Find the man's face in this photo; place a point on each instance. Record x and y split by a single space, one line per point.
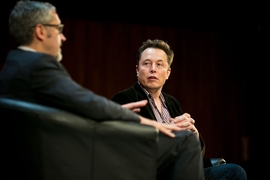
54 38
153 69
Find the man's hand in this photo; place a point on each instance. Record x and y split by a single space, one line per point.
135 106
164 128
185 122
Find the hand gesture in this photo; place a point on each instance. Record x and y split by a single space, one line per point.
135 106
164 128
185 122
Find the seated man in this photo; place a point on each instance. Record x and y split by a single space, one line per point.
33 73
154 59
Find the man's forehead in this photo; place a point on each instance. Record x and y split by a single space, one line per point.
55 17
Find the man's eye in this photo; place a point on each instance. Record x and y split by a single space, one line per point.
146 64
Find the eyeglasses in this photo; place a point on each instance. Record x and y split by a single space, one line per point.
59 27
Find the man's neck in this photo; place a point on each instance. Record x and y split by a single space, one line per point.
154 92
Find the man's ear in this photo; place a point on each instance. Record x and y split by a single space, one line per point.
40 32
137 70
168 73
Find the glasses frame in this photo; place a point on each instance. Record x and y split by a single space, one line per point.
59 27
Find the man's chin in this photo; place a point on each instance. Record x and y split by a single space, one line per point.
152 86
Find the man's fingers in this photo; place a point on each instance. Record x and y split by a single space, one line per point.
134 105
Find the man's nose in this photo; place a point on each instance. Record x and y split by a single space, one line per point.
63 37
153 68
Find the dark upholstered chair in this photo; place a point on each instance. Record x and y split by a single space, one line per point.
44 143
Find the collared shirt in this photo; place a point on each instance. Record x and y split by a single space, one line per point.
164 115
26 48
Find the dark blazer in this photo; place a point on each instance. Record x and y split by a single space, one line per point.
135 93
40 78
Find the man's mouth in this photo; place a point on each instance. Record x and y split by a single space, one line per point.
152 77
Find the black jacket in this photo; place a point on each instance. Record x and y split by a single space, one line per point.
135 93
40 78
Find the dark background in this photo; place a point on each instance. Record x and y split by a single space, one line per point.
220 73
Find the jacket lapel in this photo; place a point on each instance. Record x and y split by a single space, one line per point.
147 110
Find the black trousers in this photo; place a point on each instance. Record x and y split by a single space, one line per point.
179 157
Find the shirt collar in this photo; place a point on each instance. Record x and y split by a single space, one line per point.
161 97
26 48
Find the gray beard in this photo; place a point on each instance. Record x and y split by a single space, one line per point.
59 56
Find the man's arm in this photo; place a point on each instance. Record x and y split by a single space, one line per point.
53 86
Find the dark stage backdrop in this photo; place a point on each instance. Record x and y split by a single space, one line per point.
219 75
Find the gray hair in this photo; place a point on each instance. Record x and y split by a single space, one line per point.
25 16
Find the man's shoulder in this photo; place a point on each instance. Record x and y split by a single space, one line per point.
127 90
171 99
169 96
130 91
22 55
129 94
